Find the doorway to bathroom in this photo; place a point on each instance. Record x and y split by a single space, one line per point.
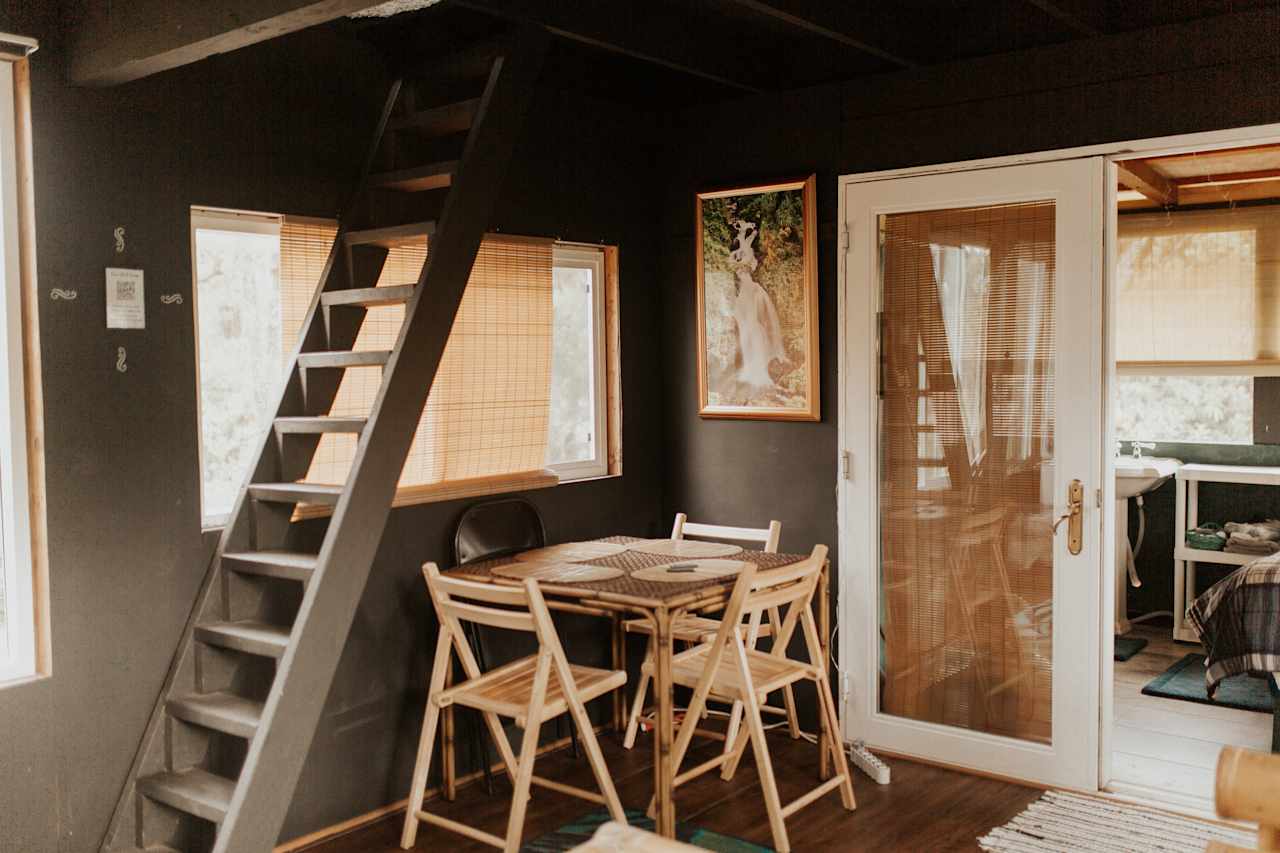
1195 299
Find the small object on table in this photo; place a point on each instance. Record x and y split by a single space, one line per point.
687 548
571 552
695 570
558 572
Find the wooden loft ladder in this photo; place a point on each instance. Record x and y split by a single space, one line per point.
227 739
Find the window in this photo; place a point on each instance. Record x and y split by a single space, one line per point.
1197 320
22 631
520 399
576 438
239 316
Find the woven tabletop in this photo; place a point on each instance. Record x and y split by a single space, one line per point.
631 561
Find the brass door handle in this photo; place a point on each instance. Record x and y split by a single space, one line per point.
1074 516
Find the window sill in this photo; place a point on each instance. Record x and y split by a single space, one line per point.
453 490
7 682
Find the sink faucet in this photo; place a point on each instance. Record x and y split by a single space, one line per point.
1139 446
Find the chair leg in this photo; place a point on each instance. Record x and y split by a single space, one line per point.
772 802
730 767
524 777
827 707
637 706
788 694
477 736
596 759
426 741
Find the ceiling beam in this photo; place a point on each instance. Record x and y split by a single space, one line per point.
1078 21
1139 175
640 32
115 42
809 16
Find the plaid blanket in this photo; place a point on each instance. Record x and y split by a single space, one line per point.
1238 620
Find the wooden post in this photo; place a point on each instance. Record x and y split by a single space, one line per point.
664 693
619 662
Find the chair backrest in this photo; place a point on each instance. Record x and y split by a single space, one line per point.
1245 790
515 608
496 529
769 536
759 590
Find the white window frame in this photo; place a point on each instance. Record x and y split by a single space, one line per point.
15 493
217 219
583 256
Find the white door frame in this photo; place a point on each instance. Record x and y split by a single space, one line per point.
846 468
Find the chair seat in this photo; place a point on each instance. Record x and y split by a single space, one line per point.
768 673
690 629
507 690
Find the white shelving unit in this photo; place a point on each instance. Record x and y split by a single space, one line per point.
1187 515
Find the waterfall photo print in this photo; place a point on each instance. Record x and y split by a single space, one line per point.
758 302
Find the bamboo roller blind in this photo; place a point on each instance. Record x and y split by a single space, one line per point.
488 409
1199 286
967 467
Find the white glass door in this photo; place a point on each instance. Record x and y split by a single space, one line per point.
972 372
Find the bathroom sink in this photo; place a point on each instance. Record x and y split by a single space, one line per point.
1138 476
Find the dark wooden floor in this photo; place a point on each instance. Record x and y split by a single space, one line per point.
924 809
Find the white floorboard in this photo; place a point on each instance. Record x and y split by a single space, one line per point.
1167 744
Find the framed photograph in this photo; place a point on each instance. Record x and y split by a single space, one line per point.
758 302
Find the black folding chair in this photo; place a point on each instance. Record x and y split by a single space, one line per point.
487 531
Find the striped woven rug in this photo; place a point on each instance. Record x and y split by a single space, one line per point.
1060 821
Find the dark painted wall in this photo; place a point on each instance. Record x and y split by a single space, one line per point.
278 127
1212 75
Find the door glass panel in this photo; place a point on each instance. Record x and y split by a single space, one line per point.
967 467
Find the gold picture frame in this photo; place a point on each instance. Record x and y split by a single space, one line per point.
757 312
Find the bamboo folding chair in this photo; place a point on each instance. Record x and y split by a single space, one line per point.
696 629
531 691
726 668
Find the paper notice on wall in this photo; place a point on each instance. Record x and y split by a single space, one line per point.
125 308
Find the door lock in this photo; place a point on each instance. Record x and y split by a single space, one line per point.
1074 516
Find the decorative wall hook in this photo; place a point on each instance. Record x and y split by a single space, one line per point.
119 235
58 293
171 298
120 357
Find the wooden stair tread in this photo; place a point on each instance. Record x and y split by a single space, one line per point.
194 791
429 176
248 635
221 711
365 297
390 236
291 565
344 358
439 121
507 689
303 493
319 423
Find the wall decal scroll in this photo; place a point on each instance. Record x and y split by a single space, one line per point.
58 293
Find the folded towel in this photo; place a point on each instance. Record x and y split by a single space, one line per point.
1268 530
1241 543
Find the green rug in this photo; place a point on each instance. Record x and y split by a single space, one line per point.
1127 647
1185 680
571 835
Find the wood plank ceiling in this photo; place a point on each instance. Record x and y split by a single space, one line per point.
690 51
